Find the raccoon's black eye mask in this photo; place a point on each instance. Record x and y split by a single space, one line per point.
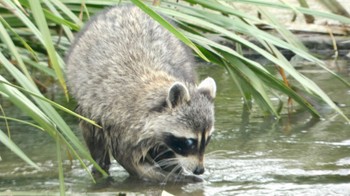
181 145
173 145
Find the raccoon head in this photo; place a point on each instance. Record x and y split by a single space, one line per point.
185 128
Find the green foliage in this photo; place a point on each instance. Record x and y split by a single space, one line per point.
36 34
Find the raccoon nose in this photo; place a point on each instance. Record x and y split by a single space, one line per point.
199 170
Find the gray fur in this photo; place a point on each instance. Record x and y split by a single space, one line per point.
136 79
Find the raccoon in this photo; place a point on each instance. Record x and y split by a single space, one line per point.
137 81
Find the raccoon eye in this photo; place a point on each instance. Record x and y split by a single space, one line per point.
190 143
186 145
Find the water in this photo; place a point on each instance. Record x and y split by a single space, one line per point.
248 155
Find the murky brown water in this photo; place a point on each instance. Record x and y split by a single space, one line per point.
248 155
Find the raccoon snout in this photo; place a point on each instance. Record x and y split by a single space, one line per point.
199 170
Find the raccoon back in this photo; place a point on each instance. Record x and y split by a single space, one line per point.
119 55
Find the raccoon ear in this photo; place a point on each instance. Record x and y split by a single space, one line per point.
178 94
208 88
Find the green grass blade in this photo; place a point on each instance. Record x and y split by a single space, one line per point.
53 15
60 166
169 27
213 27
24 43
68 12
5 37
27 106
22 122
252 83
72 150
283 31
56 105
12 146
57 18
44 69
6 122
42 24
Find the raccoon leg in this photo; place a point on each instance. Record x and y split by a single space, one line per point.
97 144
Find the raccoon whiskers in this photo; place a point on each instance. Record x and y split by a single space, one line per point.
162 153
173 174
167 163
160 158
163 169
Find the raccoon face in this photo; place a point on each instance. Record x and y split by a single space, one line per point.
177 153
188 130
189 152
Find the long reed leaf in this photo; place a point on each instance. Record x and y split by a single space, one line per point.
39 66
15 34
256 86
5 37
12 146
42 24
21 122
60 167
169 27
68 12
56 105
283 31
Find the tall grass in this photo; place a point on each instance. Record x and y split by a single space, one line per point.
36 34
